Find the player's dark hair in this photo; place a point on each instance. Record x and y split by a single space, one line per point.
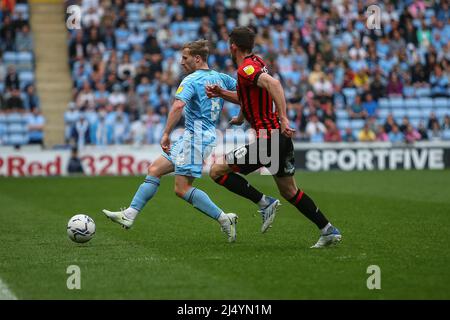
243 38
198 48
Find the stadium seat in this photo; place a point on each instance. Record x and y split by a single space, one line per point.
414 113
411 103
26 77
9 58
383 113
15 118
2 87
425 102
409 91
423 92
17 139
134 17
442 112
426 112
134 7
396 103
415 122
24 57
383 103
441 102
17 128
22 8
343 123
341 114
399 113
446 134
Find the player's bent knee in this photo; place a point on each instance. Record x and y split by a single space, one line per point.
181 190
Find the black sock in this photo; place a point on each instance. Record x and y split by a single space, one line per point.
239 185
309 209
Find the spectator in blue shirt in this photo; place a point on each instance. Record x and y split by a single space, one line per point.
396 136
36 124
370 105
439 82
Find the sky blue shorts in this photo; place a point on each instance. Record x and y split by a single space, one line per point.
188 157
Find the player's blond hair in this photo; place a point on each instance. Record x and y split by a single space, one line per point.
198 48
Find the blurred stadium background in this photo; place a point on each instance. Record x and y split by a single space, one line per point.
111 82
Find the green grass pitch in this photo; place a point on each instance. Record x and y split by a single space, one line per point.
398 220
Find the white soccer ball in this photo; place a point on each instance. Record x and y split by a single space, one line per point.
81 228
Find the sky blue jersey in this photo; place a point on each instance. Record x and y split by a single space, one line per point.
201 113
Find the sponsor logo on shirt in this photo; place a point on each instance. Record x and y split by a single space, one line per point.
249 70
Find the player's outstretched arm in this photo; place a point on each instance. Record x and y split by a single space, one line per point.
215 91
275 89
172 119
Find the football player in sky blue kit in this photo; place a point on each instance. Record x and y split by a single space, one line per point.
185 156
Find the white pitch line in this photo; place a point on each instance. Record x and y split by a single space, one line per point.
5 292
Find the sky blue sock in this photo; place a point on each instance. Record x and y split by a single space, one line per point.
145 192
202 202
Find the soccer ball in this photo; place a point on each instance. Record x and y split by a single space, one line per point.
81 228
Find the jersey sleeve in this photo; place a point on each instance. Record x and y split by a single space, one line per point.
185 91
229 82
250 72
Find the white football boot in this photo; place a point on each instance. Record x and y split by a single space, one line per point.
269 212
228 226
330 238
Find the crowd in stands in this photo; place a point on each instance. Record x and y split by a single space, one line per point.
21 121
343 80
339 76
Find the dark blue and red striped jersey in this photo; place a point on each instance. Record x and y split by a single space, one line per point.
256 103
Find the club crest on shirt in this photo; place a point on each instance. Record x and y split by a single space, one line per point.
249 70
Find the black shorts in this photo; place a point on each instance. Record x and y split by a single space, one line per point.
248 158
